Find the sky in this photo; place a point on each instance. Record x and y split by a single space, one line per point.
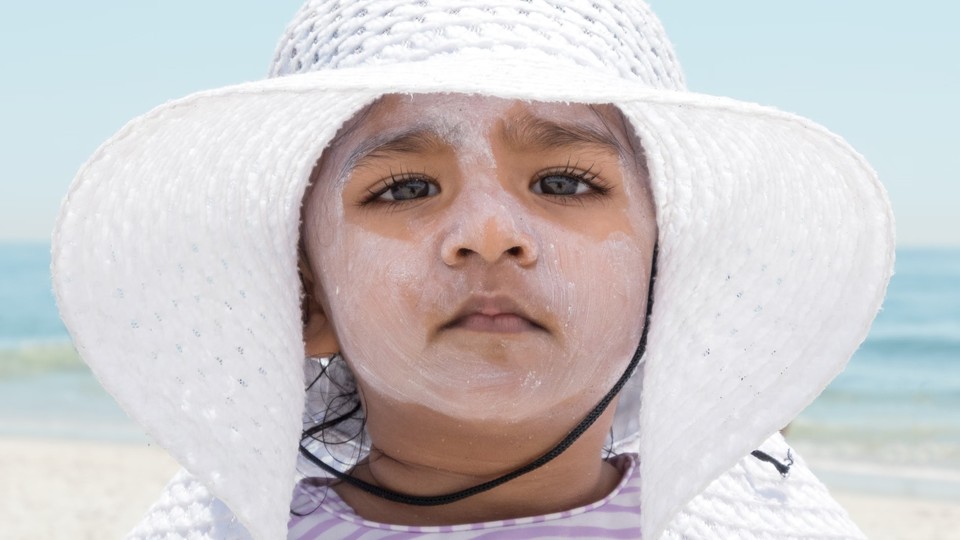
885 75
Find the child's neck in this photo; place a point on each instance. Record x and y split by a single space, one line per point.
577 477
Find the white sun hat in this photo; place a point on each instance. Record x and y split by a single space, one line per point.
175 254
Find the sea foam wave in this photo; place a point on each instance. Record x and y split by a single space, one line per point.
38 357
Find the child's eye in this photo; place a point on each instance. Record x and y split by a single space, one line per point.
406 190
556 184
398 189
567 182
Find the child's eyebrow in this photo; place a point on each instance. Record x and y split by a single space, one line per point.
538 133
410 141
528 132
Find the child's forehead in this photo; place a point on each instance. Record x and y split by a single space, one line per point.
461 108
454 119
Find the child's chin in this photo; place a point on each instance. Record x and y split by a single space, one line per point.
517 346
508 400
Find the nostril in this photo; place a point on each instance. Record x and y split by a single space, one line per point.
458 248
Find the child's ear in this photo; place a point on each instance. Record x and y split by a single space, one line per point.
319 337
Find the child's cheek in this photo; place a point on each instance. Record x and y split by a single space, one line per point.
602 288
373 308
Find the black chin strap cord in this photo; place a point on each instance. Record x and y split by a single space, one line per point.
572 436
782 467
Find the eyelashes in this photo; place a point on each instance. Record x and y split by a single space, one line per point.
401 187
565 184
570 181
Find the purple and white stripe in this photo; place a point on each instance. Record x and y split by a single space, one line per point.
615 516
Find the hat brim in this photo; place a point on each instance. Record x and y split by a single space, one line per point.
175 269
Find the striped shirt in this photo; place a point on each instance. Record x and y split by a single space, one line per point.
615 516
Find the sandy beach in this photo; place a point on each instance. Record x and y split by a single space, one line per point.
55 489
72 489
902 518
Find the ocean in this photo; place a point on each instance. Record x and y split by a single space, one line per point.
890 421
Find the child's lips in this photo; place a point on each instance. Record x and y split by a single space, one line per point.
495 314
505 323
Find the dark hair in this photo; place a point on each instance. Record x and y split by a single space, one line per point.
333 415
334 412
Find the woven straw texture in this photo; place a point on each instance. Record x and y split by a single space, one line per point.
623 39
174 256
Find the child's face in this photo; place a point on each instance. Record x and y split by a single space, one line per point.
484 258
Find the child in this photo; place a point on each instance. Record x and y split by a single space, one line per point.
541 289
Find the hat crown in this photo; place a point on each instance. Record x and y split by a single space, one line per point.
621 38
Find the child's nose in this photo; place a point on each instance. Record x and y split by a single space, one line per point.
490 232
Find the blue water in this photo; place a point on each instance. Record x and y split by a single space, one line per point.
27 310
898 402
903 384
